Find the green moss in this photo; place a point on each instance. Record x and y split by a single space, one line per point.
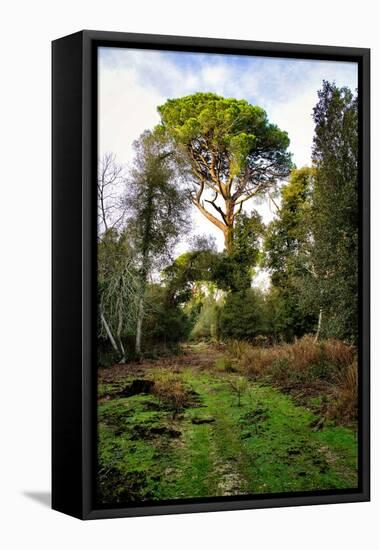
265 445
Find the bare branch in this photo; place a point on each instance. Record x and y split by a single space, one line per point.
111 211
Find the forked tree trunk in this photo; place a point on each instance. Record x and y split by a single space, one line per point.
109 332
228 216
119 349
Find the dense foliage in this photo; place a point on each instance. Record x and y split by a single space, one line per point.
309 250
232 385
335 209
232 152
288 244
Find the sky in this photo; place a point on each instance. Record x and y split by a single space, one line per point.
133 82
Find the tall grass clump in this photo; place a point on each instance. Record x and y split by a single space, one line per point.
344 406
307 367
170 391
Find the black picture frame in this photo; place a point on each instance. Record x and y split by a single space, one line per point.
74 151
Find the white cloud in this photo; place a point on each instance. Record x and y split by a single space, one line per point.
126 109
132 83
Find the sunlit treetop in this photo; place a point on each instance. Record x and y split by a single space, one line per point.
232 149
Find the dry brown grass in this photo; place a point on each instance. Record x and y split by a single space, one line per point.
252 360
338 353
345 399
303 353
257 361
300 355
170 390
307 367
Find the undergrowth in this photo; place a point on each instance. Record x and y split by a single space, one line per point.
303 368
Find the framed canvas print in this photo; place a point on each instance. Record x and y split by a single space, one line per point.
210 274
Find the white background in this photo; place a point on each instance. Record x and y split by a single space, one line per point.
26 31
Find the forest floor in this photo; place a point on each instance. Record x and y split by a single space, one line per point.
211 445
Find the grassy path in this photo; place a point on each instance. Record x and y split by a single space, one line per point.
213 447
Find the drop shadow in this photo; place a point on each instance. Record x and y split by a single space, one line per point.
42 497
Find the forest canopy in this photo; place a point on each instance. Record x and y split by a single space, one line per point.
220 155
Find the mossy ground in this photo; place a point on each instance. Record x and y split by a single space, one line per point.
268 444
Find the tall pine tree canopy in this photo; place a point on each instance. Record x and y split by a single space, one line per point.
232 150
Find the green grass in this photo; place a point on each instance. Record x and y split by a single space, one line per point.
265 445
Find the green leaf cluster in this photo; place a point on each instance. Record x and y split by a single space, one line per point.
232 127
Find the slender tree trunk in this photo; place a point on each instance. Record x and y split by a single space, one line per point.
123 358
318 326
140 313
109 333
143 283
119 330
144 268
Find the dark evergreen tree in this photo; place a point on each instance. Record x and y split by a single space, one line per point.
287 246
335 210
243 315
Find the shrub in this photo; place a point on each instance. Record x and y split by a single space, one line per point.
224 364
254 361
242 315
170 390
165 324
329 367
280 370
239 386
236 347
106 356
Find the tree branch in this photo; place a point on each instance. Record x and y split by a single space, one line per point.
209 216
217 208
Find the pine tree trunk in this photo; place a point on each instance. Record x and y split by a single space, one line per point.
228 239
228 233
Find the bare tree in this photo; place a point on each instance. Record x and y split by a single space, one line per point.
119 304
110 183
116 280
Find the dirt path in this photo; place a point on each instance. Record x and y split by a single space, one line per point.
200 356
213 447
